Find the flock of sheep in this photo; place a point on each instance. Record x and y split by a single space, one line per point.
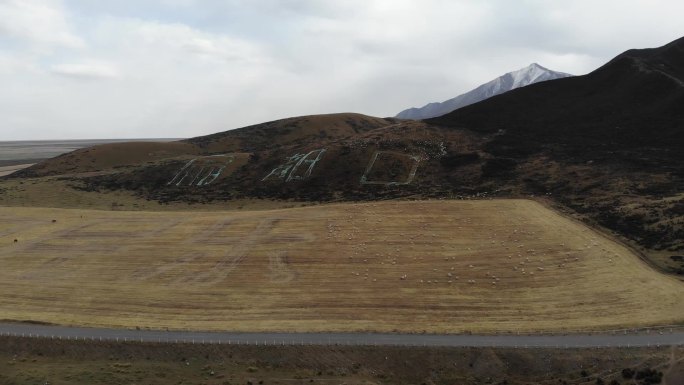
375 253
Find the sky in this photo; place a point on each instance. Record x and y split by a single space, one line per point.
89 69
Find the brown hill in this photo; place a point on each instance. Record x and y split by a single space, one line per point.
259 137
284 132
606 145
109 156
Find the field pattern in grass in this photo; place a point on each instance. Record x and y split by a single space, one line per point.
436 266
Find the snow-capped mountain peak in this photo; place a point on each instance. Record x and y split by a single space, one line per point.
531 74
528 75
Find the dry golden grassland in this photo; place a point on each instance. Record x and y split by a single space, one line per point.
55 192
435 266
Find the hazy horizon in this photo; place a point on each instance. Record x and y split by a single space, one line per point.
20 151
52 140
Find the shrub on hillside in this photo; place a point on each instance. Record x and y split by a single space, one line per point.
458 160
498 167
649 376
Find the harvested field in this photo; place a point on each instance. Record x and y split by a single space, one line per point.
436 266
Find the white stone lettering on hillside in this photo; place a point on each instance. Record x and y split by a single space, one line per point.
201 171
297 166
411 168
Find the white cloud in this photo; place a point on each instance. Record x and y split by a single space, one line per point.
170 79
40 23
11 63
87 70
182 39
189 67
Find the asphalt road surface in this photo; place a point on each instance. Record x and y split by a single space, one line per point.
665 337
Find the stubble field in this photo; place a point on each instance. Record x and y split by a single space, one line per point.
434 266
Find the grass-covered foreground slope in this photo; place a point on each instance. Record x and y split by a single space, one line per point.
438 266
31 361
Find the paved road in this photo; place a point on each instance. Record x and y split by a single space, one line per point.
654 338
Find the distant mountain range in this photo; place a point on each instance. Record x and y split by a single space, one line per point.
534 73
634 101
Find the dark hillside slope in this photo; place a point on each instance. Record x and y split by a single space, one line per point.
296 131
607 144
284 132
635 100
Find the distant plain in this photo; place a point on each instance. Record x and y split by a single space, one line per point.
31 151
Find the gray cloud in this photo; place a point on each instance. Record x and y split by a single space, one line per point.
86 71
38 23
179 68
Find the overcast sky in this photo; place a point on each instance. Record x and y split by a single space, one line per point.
181 68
